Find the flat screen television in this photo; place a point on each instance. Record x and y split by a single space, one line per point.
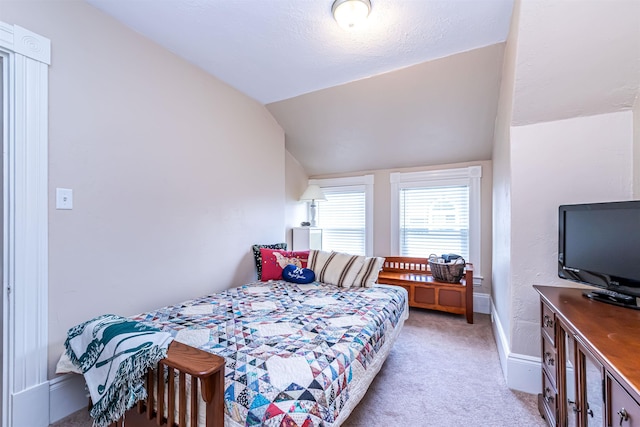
599 245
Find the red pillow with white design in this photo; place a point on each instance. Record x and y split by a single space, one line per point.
274 260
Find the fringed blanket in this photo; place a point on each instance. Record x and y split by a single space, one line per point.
114 353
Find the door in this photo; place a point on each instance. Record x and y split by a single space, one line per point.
4 297
25 58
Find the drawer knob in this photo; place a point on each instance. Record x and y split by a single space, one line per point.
547 321
624 416
574 408
548 396
548 359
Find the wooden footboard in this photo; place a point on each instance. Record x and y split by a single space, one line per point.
194 369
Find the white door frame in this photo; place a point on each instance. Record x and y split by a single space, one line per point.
26 58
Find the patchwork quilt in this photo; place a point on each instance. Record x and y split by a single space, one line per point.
293 352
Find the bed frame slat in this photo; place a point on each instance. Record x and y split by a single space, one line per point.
150 402
182 399
171 397
160 414
194 402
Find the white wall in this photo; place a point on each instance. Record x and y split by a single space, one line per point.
556 66
501 197
174 173
586 159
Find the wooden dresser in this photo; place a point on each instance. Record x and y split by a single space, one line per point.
590 360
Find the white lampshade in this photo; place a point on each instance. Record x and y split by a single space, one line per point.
313 192
349 13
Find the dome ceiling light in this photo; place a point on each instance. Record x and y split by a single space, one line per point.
350 13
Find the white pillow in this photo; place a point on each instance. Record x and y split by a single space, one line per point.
368 274
335 268
317 259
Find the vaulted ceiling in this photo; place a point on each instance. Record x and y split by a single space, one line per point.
438 112
418 84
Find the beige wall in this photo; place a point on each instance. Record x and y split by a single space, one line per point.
174 173
296 182
382 211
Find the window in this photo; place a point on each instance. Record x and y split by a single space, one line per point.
346 216
437 212
435 220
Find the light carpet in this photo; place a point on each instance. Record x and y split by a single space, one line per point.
441 372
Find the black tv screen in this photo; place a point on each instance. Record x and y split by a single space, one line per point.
599 245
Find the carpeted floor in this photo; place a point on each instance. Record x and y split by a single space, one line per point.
441 372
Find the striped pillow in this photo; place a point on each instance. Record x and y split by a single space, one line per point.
335 268
368 274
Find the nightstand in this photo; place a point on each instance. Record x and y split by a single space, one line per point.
305 238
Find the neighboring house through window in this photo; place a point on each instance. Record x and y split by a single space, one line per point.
346 217
437 212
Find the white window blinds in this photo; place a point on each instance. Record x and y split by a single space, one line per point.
342 218
434 219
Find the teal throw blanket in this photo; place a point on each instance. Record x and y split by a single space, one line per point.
114 353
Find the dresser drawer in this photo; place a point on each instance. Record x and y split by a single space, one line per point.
549 358
548 323
624 410
549 399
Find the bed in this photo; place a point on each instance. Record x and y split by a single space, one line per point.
294 355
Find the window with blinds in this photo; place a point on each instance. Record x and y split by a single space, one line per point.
434 219
342 218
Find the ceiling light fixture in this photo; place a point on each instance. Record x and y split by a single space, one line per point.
349 13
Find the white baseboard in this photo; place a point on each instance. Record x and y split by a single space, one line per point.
30 407
67 394
524 373
501 340
481 303
521 372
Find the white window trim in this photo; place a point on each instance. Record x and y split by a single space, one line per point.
470 176
367 181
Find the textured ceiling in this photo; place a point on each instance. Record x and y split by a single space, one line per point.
277 49
576 61
437 112
395 92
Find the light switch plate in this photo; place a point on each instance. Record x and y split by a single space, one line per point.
64 198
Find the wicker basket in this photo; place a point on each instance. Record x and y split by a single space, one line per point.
450 272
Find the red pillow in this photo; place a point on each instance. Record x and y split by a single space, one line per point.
274 260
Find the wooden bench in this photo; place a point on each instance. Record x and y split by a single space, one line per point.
414 275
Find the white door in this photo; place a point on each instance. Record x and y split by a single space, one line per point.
24 58
4 296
